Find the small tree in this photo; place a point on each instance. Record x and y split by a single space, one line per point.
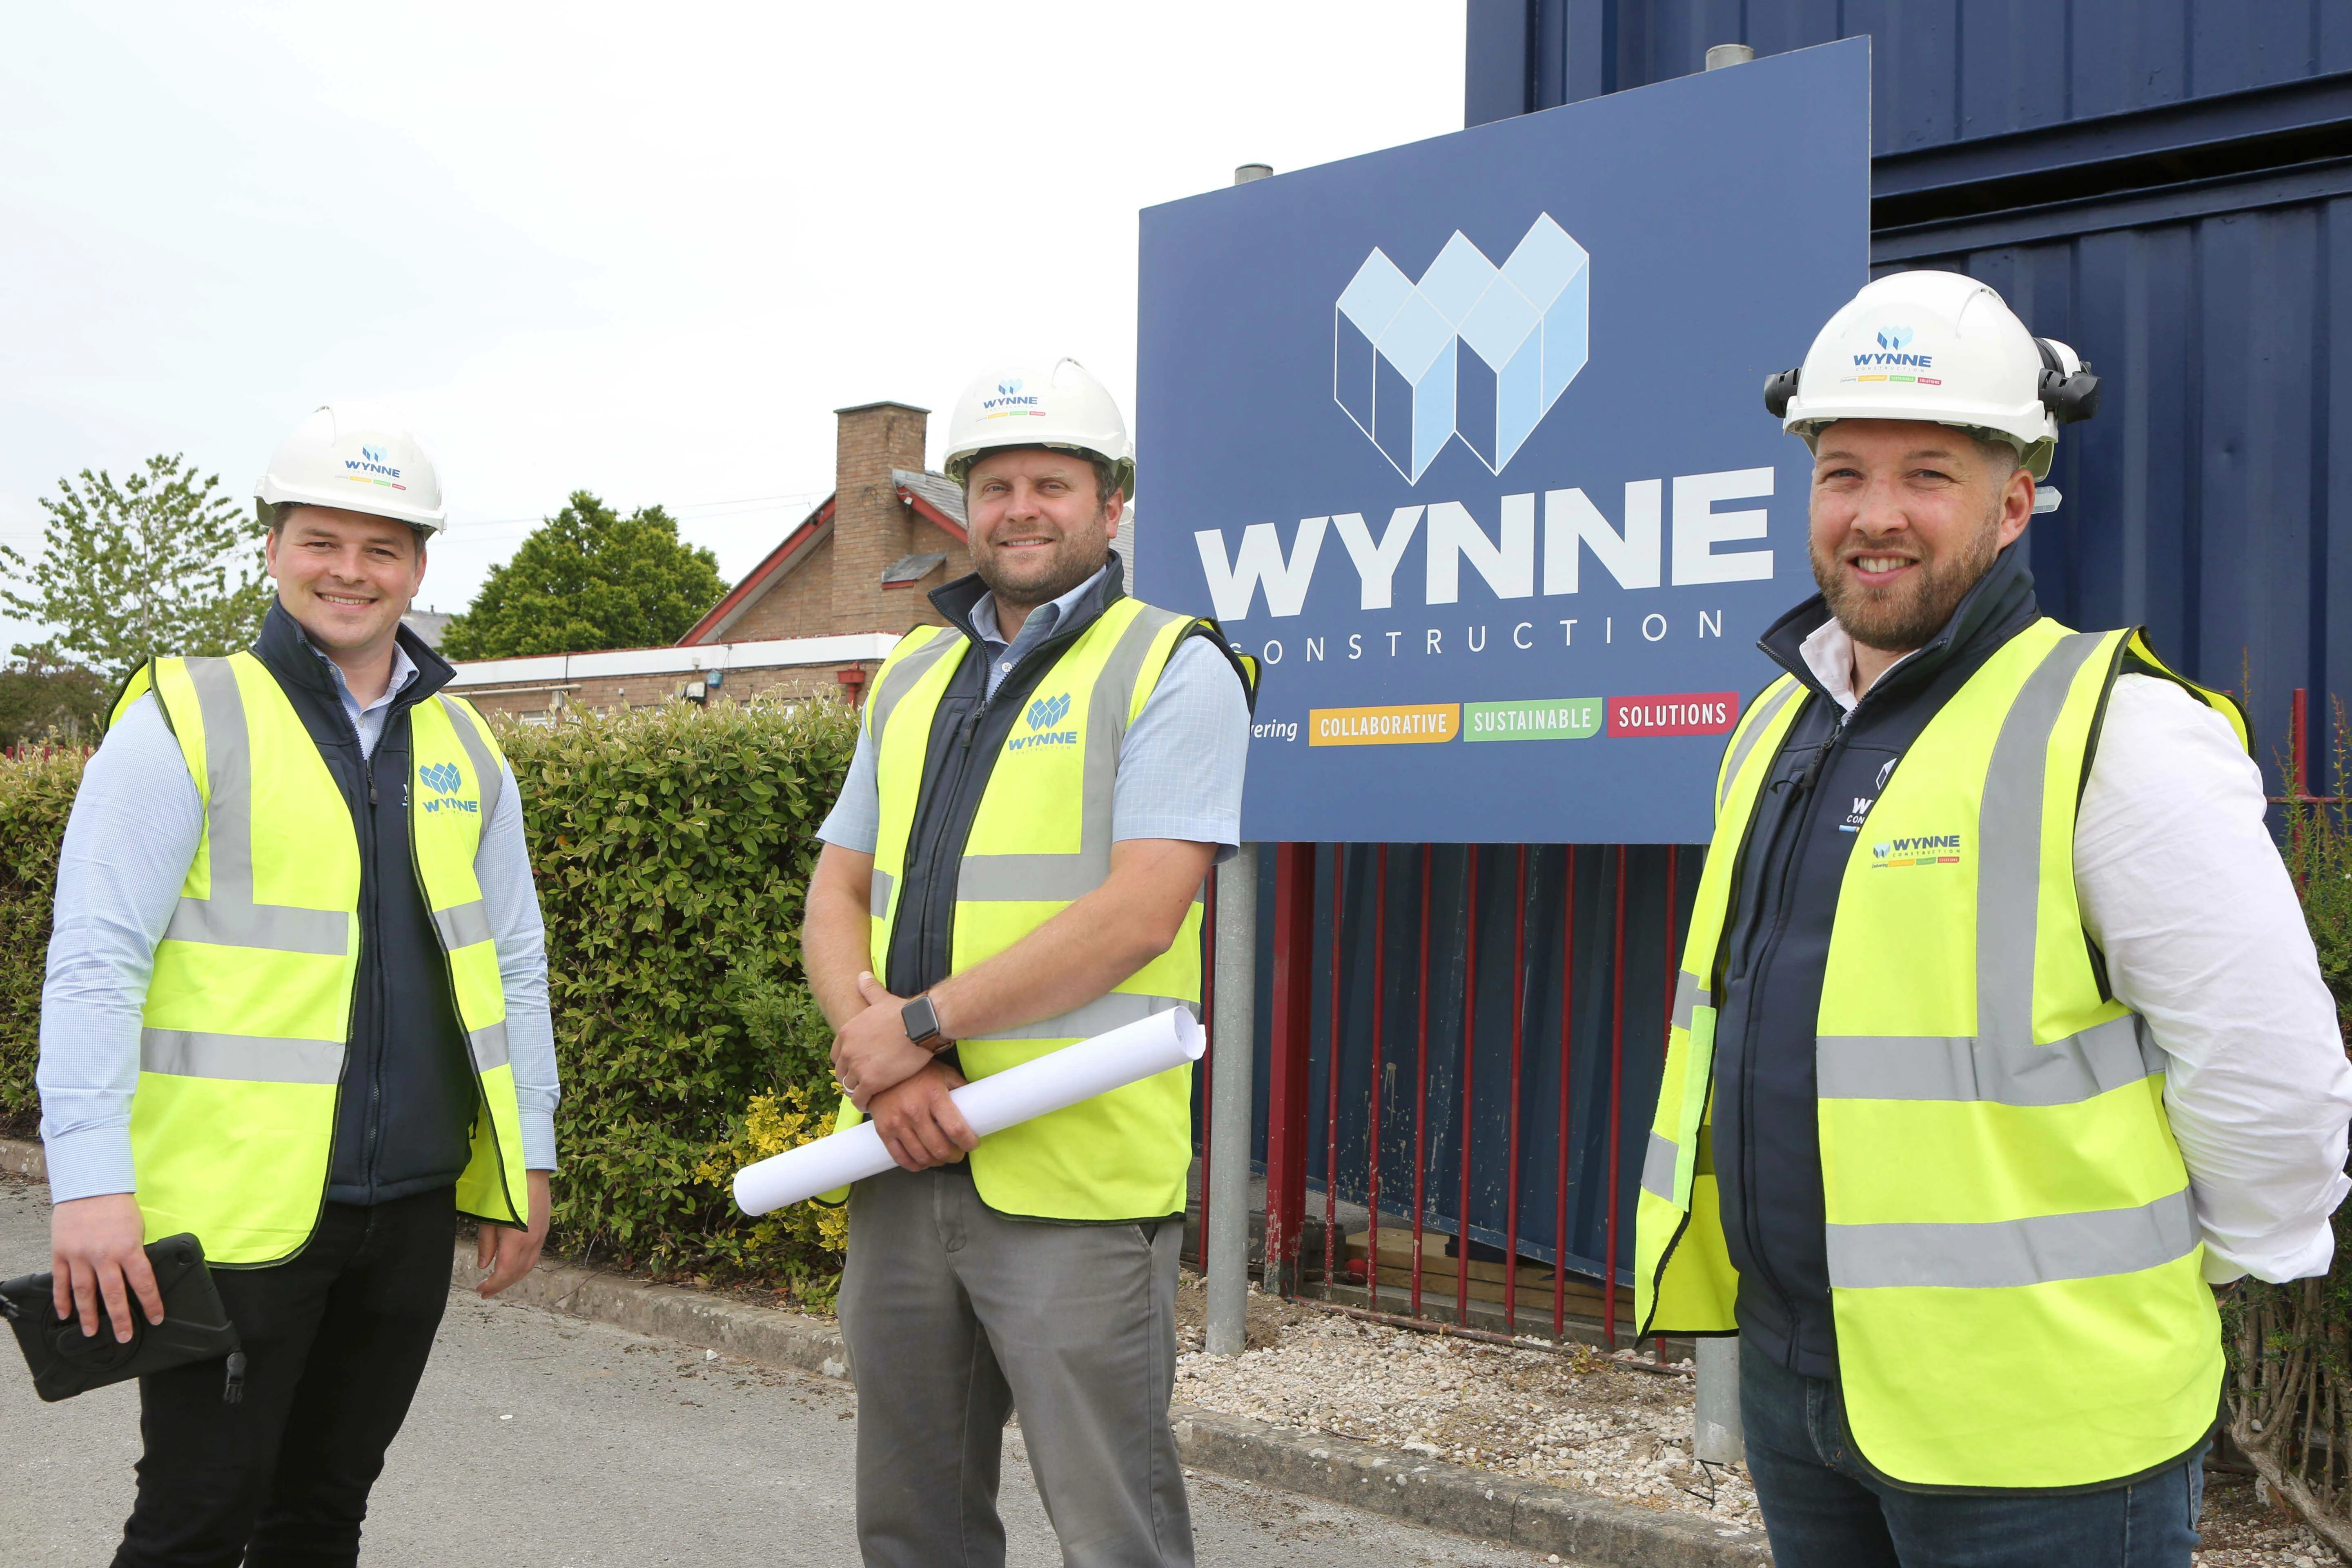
159 563
589 579
40 693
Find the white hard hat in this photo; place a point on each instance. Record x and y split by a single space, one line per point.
1942 347
359 457
1025 405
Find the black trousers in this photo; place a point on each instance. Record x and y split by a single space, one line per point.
335 1341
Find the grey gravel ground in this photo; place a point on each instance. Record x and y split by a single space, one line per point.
539 1441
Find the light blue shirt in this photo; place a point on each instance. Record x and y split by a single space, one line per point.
133 835
1180 766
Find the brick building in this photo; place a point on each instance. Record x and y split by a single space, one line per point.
817 614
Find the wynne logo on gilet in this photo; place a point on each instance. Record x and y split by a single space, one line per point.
1043 714
443 779
1927 849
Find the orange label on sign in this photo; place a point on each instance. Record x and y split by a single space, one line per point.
1416 724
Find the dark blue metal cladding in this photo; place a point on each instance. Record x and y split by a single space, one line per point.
1944 70
2203 500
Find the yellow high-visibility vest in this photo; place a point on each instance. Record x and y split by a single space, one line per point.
2014 1268
248 1019
1039 842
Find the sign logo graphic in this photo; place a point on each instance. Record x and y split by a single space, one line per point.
1048 711
1471 348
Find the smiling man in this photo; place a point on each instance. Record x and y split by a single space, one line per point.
2001 1043
297 1005
1015 864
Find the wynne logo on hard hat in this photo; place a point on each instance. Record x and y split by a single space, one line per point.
1471 348
1894 337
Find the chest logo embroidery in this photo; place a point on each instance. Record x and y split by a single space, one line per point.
444 780
1043 715
1927 849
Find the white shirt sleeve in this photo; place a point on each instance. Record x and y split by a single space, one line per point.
2182 888
511 900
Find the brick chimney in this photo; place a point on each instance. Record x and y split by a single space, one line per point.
871 527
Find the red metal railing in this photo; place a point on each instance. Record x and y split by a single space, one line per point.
1303 1044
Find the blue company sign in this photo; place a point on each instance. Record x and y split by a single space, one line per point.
1466 440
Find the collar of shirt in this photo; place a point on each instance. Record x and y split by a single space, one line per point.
1002 655
366 721
1829 653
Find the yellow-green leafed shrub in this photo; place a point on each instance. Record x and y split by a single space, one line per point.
809 1238
672 848
36 792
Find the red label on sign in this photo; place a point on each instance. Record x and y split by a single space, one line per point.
1681 713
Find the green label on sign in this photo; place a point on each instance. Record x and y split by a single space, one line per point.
1556 719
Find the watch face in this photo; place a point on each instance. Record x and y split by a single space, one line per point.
922 1022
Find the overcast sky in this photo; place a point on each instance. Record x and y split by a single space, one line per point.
642 250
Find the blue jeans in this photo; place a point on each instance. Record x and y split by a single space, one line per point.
1824 1509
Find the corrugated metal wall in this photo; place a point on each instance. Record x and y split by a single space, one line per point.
2162 183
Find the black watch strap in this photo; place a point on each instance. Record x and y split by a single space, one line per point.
922 1022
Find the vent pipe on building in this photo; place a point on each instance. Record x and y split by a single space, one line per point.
1243 174
1723 55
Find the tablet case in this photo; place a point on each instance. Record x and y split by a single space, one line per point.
66 1361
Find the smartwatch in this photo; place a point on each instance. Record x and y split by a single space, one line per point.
922 1023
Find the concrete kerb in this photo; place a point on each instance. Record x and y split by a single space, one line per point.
1581 1527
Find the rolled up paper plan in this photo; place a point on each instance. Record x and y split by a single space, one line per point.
1055 1081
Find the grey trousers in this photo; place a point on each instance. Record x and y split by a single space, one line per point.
954 1317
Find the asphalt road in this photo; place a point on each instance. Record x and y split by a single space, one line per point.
539 1441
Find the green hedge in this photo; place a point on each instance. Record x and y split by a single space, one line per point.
672 848
36 791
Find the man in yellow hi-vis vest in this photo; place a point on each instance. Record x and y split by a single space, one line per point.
297 1005
1015 863
2001 1043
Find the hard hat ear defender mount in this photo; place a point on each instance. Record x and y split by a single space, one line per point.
1778 388
2069 397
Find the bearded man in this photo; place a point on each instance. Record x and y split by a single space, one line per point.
1015 864
2001 1044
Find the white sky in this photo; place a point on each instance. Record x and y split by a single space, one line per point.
641 250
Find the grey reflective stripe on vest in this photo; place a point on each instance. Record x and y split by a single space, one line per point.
477 751
1098 1017
244 1058
230 918
1658 1167
279 927
229 778
2082 1067
2005 1253
1689 996
877 894
1758 723
1063 878
2009 844
899 678
462 925
489 1046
